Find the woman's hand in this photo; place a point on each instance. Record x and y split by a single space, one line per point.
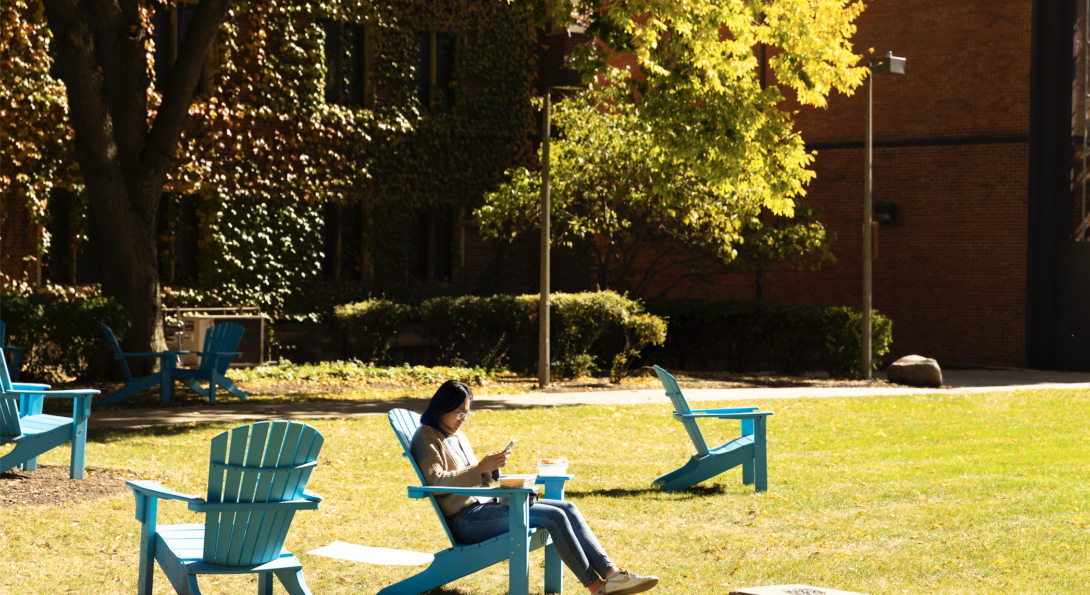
493 461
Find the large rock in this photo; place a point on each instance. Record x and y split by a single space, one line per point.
915 370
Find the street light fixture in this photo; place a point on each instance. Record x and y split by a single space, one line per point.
889 64
558 78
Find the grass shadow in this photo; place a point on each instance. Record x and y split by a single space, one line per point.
653 493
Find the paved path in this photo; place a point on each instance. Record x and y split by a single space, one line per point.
957 381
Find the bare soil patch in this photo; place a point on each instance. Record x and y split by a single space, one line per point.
50 485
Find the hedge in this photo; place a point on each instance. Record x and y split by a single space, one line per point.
745 335
370 326
474 329
61 335
593 330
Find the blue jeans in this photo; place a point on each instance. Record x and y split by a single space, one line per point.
574 541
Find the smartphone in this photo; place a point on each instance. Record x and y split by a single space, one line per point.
509 446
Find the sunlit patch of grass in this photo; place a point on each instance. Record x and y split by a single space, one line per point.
943 494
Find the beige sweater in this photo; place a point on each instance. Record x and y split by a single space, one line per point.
441 466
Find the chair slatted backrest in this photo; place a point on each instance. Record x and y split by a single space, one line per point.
681 406
10 426
3 332
221 338
405 424
263 462
112 340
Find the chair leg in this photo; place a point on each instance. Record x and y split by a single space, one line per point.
229 384
760 455
554 572
30 464
265 583
747 473
136 386
293 581
168 386
194 385
147 548
81 410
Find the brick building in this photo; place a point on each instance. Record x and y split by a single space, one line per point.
975 146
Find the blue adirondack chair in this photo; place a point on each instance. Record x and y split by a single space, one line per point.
463 560
749 451
16 353
257 478
168 360
23 423
219 341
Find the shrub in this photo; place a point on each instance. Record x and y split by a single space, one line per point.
370 325
477 329
842 348
794 335
61 335
602 326
731 333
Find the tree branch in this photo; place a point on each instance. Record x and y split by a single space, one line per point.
182 86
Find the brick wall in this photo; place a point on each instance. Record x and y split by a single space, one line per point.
18 239
951 151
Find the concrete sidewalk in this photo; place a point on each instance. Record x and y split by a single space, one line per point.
957 381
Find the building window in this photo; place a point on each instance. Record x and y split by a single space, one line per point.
73 257
171 23
345 237
348 50
434 241
435 79
179 240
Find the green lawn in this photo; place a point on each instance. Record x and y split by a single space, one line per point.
881 495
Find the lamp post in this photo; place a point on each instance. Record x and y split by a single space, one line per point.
559 78
887 65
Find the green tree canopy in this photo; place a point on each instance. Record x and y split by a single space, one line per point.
709 82
636 210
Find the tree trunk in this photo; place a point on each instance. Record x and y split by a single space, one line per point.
124 158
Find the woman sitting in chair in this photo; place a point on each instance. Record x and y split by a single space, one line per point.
445 458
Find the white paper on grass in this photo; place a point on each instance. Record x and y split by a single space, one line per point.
372 555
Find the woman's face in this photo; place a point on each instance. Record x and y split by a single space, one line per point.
455 419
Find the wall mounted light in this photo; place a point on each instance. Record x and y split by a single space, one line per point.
885 213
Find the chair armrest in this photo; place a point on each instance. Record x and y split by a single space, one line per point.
154 489
309 495
153 354
13 348
726 410
64 394
219 353
423 491
21 386
541 479
753 415
301 504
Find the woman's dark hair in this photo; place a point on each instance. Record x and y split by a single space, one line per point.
449 397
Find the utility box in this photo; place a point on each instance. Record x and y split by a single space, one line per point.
195 326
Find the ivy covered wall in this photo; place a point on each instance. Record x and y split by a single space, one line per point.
318 126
